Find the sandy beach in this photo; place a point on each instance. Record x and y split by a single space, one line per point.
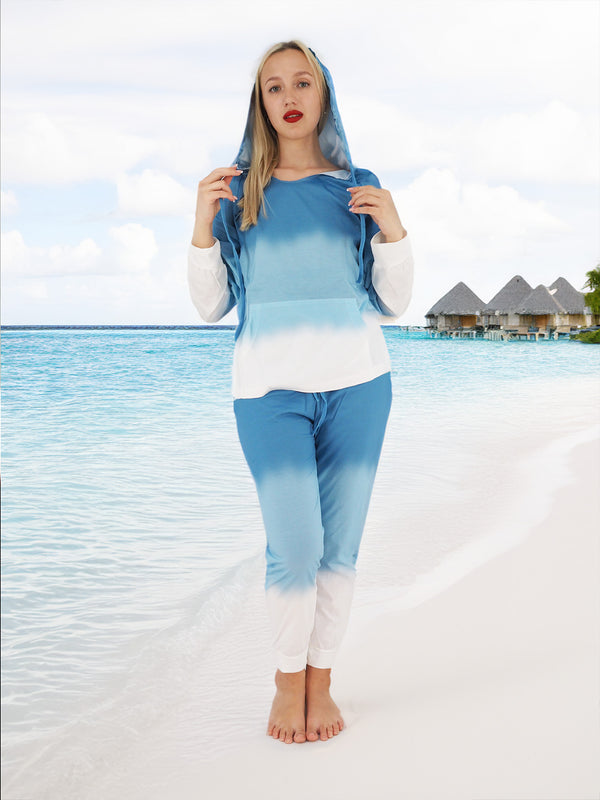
487 691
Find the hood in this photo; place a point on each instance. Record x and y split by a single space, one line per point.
332 138
334 147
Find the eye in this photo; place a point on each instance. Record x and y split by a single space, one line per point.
274 88
303 84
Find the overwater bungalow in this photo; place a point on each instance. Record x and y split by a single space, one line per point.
539 313
456 311
516 311
500 311
577 314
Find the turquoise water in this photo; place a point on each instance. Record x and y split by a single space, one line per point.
128 512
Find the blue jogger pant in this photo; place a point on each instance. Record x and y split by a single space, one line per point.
313 457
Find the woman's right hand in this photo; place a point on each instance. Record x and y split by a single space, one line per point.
210 190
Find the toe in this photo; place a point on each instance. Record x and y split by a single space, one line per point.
288 737
323 734
336 728
329 731
300 736
312 736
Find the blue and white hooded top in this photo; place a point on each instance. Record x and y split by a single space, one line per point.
310 279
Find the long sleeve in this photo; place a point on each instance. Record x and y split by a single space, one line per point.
392 273
208 282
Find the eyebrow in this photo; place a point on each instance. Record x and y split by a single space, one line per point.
295 75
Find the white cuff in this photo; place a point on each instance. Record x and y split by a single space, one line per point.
206 257
390 252
321 659
392 274
207 279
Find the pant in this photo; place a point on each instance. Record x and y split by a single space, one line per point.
313 458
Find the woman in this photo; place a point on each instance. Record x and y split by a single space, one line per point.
312 250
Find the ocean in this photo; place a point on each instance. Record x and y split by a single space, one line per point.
132 543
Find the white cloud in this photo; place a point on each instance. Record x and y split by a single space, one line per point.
76 138
135 246
155 296
384 137
18 259
518 44
152 193
468 221
46 148
9 202
551 144
132 250
554 143
35 289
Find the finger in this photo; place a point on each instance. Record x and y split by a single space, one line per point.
373 195
224 195
217 186
222 172
366 204
362 186
218 194
219 173
364 210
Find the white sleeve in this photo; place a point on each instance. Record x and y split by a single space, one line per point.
392 274
207 278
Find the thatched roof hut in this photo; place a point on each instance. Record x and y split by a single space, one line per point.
569 298
509 297
539 302
460 301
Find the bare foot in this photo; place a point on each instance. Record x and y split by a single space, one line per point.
286 721
323 718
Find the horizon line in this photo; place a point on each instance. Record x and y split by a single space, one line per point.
143 327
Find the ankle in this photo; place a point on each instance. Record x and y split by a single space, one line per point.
319 679
290 681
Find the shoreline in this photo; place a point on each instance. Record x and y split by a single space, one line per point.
195 704
487 690
530 506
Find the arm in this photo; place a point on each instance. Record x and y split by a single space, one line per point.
208 283
392 273
207 273
388 258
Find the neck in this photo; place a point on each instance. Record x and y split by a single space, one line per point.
301 154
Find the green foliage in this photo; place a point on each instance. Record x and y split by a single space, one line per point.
592 298
590 337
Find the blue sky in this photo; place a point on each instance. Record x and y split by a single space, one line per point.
481 117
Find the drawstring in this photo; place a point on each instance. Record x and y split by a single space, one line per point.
321 411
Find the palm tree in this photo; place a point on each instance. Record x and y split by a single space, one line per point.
592 298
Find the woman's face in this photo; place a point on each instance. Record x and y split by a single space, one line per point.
291 94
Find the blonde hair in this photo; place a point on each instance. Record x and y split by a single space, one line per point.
265 145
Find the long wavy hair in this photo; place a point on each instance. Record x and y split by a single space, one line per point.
265 145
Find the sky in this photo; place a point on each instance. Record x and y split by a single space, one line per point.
480 116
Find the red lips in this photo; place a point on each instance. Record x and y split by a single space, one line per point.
293 115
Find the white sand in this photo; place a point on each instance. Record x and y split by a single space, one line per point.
487 691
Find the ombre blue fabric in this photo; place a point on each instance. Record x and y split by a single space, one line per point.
302 209
313 458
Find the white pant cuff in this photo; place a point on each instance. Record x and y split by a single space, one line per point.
290 663
321 659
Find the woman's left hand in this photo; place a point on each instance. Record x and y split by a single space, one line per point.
380 205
